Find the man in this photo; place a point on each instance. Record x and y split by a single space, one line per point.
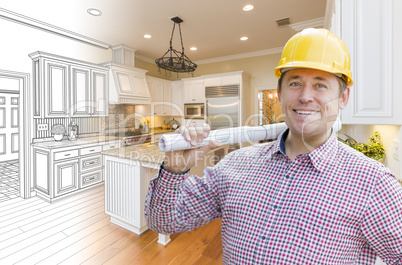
303 199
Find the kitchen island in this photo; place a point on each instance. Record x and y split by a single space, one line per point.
128 171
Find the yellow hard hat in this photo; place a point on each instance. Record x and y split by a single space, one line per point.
316 49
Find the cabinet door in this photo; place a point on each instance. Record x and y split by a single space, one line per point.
80 91
194 92
199 91
167 98
368 30
66 177
56 89
156 89
177 100
100 89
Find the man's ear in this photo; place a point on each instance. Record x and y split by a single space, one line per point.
344 98
279 94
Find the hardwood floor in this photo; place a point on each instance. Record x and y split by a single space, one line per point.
77 231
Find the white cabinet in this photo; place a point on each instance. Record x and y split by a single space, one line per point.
126 185
371 30
177 99
100 93
194 90
161 96
89 92
80 91
56 88
222 79
65 87
66 177
63 171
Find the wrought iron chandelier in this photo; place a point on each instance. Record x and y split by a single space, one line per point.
173 60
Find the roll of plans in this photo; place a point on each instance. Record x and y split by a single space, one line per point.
176 141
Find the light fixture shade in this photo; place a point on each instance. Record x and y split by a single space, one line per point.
174 60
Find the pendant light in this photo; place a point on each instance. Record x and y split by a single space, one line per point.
173 60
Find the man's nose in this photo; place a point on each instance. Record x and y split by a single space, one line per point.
306 94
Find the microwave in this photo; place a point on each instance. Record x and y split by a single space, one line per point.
194 111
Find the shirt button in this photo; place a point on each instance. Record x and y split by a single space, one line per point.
275 206
263 237
287 177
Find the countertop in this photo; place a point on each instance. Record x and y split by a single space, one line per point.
99 139
102 139
148 153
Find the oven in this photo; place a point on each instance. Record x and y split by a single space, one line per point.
132 137
194 111
134 140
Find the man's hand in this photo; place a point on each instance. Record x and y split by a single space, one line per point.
181 161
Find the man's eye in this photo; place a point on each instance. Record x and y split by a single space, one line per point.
294 84
321 86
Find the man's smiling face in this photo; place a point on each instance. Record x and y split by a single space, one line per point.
310 101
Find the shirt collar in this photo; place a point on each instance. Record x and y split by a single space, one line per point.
318 157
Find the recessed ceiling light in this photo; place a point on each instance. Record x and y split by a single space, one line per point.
193 48
244 38
248 7
147 36
94 12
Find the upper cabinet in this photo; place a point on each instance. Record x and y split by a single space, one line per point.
65 87
372 30
55 88
100 90
177 99
194 90
161 96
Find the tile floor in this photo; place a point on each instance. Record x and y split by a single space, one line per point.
9 180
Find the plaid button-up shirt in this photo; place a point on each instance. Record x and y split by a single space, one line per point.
331 206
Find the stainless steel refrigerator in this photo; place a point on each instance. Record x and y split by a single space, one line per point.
222 108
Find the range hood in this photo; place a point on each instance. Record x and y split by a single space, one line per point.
127 84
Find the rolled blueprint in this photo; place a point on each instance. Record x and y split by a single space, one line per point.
176 141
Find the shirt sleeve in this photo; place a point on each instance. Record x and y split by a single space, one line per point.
178 202
382 223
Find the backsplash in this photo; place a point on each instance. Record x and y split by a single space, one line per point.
121 116
85 125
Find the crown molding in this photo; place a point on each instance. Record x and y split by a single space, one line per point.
223 58
144 58
318 22
329 10
27 21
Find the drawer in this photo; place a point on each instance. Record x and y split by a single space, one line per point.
65 154
90 162
111 145
91 178
91 150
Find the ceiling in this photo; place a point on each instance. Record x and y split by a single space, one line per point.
213 26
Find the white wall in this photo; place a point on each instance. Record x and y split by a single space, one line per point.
17 41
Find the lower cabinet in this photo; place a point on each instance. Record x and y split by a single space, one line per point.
65 171
66 177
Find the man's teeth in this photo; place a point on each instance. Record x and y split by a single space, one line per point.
305 112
